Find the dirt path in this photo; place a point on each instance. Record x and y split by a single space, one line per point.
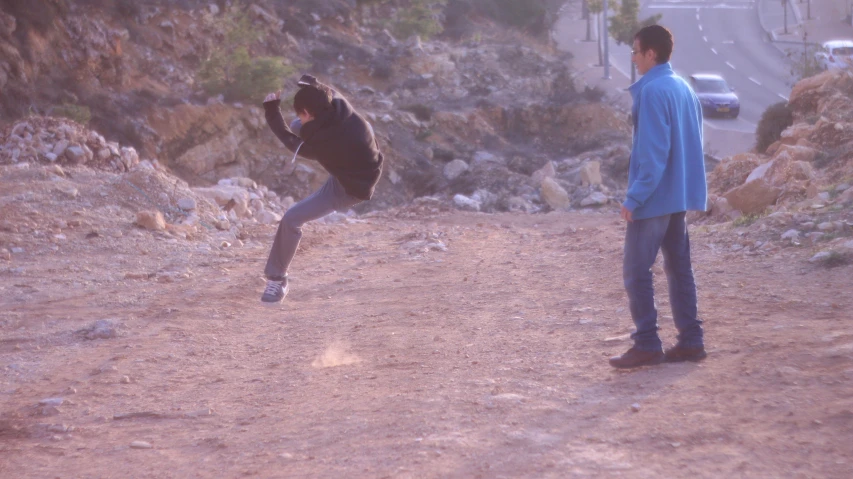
393 358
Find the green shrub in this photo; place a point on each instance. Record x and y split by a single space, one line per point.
79 113
422 112
423 135
835 259
233 72
417 19
773 122
519 13
747 220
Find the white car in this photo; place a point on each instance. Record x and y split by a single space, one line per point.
835 54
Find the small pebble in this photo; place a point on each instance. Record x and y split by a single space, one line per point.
635 407
140 445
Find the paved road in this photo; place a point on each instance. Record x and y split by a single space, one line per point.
725 37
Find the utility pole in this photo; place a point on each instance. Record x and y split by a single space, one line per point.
606 35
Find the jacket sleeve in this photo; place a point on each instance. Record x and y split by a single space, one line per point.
279 127
651 152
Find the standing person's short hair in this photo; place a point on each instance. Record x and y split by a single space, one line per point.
657 38
314 99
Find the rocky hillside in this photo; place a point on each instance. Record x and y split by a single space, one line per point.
473 111
799 191
475 116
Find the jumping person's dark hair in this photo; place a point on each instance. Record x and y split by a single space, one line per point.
313 99
657 38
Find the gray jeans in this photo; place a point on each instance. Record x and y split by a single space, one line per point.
330 197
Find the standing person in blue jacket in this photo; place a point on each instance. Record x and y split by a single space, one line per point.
331 132
666 178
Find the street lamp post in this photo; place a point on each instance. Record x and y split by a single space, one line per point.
606 35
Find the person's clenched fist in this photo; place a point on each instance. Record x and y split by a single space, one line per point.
273 96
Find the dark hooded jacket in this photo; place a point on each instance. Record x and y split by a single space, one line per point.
340 140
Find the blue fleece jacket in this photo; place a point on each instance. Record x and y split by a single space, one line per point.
667 170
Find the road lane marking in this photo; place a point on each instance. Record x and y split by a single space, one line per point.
697 14
721 6
705 38
731 125
731 66
782 96
700 27
715 51
753 80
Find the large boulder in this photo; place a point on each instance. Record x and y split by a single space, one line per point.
753 197
733 171
555 195
590 173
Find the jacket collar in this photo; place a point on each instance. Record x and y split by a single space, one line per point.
657 71
339 111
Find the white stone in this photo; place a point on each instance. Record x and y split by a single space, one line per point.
465 203
222 194
140 445
394 177
554 195
485 156
822 256
187 204
152 220
129 157
591 173
244 182
455 168
75 154
597 198
547 171
268 217
59 147
791 235
845 197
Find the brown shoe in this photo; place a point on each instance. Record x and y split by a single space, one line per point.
635 358
677 354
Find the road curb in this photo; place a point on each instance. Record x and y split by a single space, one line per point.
772 34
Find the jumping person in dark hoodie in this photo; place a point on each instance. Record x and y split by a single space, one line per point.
329 131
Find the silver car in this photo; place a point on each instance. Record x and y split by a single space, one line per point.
835 54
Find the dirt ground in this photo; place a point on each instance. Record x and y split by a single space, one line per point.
393 358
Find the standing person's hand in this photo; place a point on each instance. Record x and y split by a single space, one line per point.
273 96
626 214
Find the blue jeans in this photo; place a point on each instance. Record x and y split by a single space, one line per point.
642 241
